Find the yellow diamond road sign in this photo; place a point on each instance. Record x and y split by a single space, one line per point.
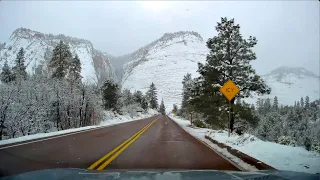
229 90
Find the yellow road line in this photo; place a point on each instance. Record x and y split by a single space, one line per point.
94 165
122 149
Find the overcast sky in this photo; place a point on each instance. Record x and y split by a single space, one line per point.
287 32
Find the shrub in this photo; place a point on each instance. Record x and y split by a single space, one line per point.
316 147
307 143
199 124
287 140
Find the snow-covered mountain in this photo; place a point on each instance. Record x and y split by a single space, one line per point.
95 64
164 62
289 84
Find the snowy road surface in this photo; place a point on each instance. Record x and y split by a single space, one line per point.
151 143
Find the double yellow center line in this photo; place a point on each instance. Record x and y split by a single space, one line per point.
104 161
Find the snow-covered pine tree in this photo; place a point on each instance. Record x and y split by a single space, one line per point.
307 103
110 94
6 75
19 70
137 97
186 93
74 75
162 108
229 59
275 105
127 97
144 103
60 61
302 102
152 96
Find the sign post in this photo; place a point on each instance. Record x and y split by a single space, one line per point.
229 90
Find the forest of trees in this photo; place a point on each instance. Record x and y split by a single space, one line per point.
229 59
54 97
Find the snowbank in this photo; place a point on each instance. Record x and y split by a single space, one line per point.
199 133
111 118
276 155
279 156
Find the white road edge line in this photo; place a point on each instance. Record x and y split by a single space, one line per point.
63 135
221 155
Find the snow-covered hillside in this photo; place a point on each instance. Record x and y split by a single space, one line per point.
164 62
289 84
95 64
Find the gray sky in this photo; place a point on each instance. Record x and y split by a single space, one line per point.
287 32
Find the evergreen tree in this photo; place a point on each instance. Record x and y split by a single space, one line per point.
152 96
110 94
298 104
19 70
6 75
229 59
60 61
74 75
186 91
127 97
144 104
275 104
162 108
307 103
302 102
138 97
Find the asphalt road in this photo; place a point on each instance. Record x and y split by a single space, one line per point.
152 143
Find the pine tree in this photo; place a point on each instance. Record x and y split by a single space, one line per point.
6 75
74 75
152 96
302 102
186 93
307 103
275 104
138 96
60 61
144 104
162 108
19 70
110 94
127 96
229 59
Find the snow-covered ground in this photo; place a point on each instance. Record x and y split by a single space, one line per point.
111 118
276 155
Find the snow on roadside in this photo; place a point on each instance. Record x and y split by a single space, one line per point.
279 156
276 155
199 133
111 118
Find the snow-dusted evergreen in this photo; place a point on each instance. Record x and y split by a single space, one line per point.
289 125
152 96
162 108
95 64
229 59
